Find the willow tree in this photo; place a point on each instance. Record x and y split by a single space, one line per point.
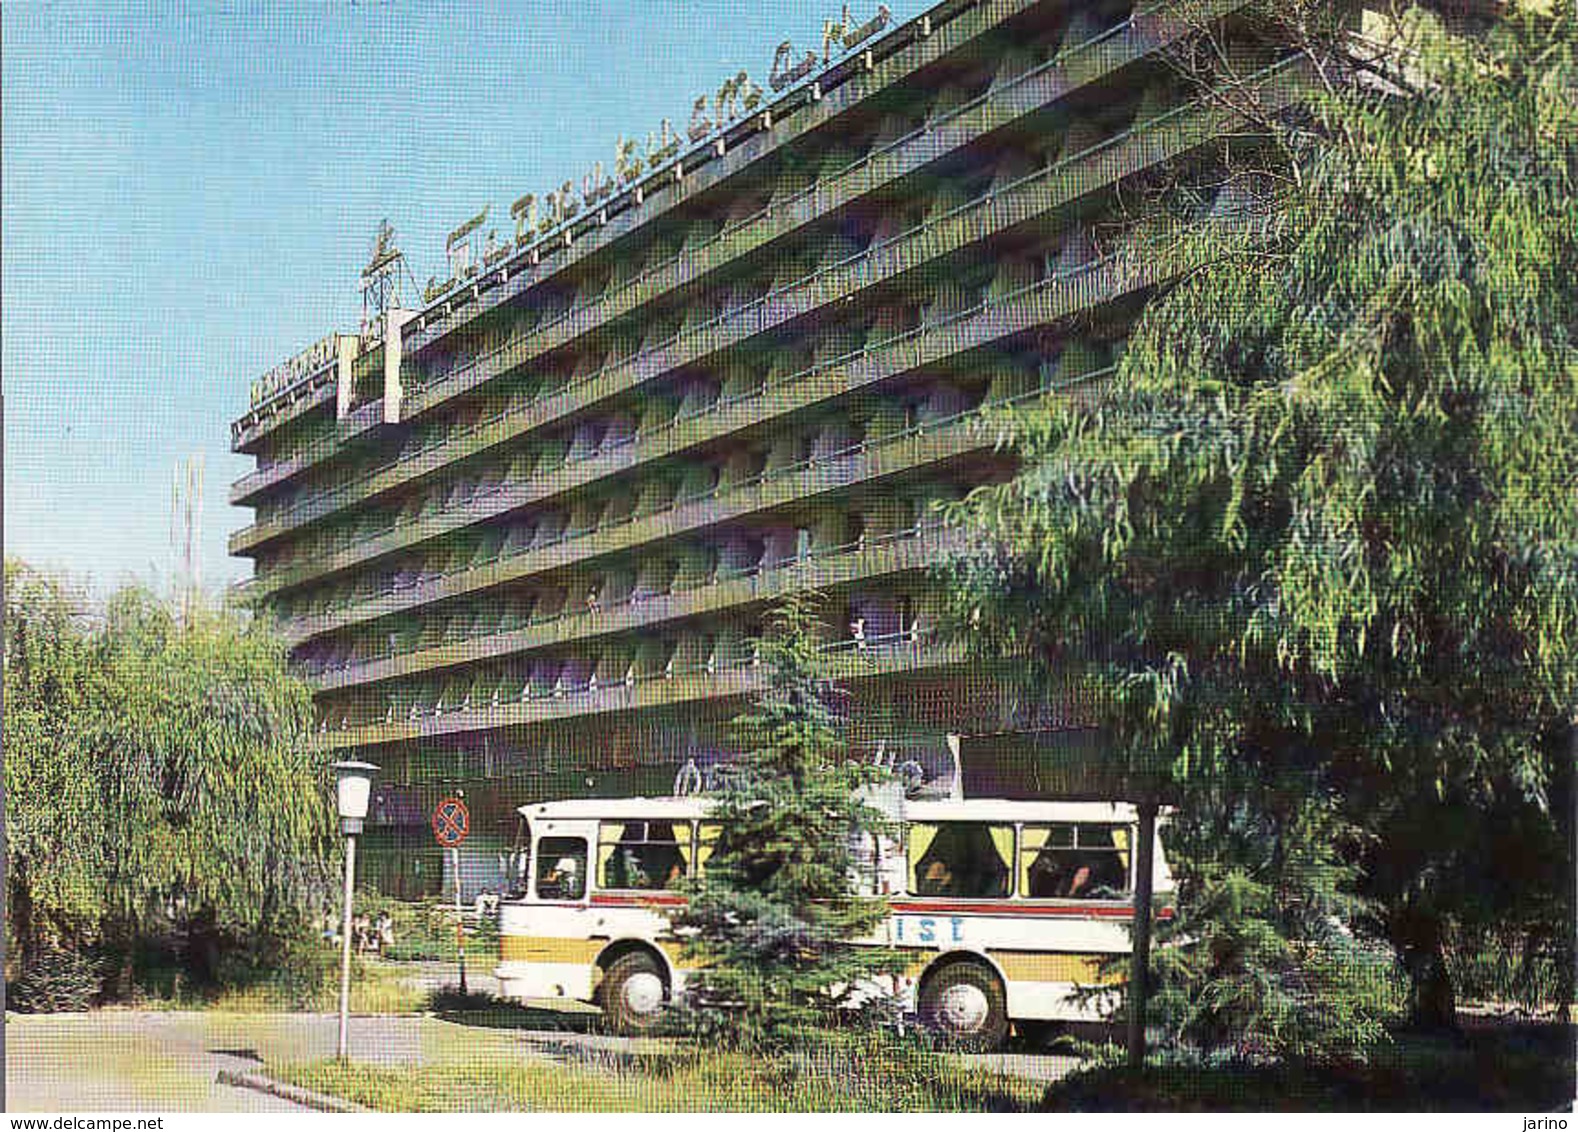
1317 542
54 846
160 780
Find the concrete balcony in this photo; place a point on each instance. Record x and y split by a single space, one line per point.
889 555
1001 210
1011 103
876 460
807 106
281 410
261 479
1075 67
847 664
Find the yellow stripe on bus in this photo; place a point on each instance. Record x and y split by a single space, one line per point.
1017 966
1054 967
555 949
548 949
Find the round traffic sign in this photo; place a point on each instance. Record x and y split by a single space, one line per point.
451 822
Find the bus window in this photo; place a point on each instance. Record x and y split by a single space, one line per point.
967 859
642 854
1074 861
561 868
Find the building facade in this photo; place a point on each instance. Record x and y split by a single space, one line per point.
520 539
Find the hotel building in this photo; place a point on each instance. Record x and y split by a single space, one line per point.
520 535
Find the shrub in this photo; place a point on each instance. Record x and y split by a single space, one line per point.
56 979
304 967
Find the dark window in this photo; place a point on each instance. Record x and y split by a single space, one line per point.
561 868
642 854
1074 862
965 859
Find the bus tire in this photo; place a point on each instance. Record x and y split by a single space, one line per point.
633 994
963 1002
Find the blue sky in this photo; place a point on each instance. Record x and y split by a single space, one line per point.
190 191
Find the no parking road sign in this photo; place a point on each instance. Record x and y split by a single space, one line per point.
451 822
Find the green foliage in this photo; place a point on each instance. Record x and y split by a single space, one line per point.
1316 546
1259 962
56 979
1507 971
771 919
1494 1069
300 972
159 776
425 931
55 853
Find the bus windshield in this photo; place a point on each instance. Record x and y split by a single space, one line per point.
561 868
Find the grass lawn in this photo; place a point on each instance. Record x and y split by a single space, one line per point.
870 1077
1493 1066
376 988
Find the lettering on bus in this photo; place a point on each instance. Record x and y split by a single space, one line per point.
928 929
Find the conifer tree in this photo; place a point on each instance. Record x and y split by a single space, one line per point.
773 917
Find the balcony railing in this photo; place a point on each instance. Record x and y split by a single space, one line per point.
849 661
961 431
880 555
691 263
766 317
692 258
690 159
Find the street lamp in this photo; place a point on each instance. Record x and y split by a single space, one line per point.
353 783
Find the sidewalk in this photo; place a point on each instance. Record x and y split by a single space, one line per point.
171 1061
129 1061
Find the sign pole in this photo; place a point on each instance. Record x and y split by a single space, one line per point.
460 922
451 823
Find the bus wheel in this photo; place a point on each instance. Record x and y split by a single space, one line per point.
632 994
964 1003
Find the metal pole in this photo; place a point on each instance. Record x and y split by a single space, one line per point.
1572 848
345 946
460 921
1140 967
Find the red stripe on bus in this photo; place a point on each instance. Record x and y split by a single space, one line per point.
1095 911
620 900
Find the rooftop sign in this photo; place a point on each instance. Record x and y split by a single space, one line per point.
739 97
293 370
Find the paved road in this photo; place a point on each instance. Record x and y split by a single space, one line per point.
442 976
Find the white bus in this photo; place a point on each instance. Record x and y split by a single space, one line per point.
1008 906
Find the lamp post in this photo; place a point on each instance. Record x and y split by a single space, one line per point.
352 785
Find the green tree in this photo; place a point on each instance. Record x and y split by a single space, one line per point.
55 848
1317 542
160 779
772 918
